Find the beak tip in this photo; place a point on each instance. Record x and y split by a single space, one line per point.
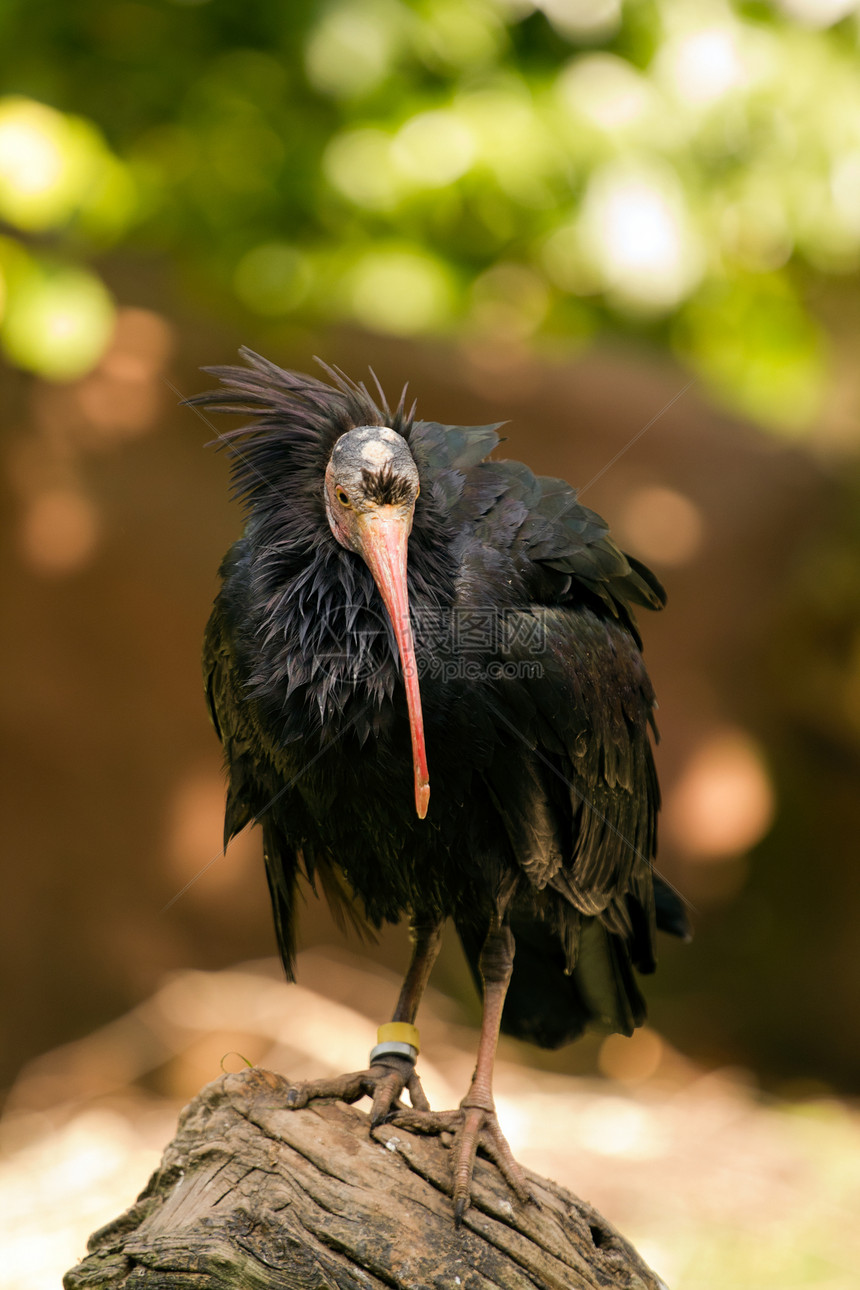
422 799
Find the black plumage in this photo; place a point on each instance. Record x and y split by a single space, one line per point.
536 702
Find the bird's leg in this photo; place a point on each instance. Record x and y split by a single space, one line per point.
480 1125
389 1072
426 937
475 1125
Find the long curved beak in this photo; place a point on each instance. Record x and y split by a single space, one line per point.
382 541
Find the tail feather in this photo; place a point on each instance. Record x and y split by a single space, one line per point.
671 914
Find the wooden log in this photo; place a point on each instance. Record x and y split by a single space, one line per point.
251 1196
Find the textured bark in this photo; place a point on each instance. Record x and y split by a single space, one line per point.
250 1196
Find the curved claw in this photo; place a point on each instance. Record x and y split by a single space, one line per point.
417 1096
467 1131
386 1097
495 1145
466 1142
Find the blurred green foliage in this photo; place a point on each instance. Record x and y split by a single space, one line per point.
504 170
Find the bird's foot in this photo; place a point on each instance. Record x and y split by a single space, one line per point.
472 1128
384 1082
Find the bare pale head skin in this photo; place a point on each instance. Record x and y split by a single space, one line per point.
371 484
359 459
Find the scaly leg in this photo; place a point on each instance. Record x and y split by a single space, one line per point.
386 1079
475 1125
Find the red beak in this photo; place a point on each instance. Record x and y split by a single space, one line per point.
383 537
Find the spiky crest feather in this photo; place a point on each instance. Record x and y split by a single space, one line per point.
297 420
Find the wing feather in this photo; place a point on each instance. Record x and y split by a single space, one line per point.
248 796
573 779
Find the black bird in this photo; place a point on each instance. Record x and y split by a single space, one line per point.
395 588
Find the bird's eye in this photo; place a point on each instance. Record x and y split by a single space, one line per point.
342 496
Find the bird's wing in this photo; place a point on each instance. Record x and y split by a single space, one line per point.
573 776
561 550
563 535
250 788
572 779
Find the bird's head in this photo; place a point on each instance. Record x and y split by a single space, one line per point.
371 483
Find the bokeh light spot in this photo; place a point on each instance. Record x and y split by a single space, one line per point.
723 804
58 322
31 159
606 90
39 164
272 278
435 148
509 300
578 18
54 166
511 142
123 396
703 66
117 408
631 1059
818 13
662 525
195 824
351 48
617 1127
402 292
636 231
140 346
753 341
59 532
193 846
359 164
458 34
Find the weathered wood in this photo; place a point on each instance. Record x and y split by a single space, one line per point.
250 1196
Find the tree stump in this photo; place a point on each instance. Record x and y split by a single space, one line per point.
251 1196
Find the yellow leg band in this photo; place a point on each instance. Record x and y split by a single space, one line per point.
400 1032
